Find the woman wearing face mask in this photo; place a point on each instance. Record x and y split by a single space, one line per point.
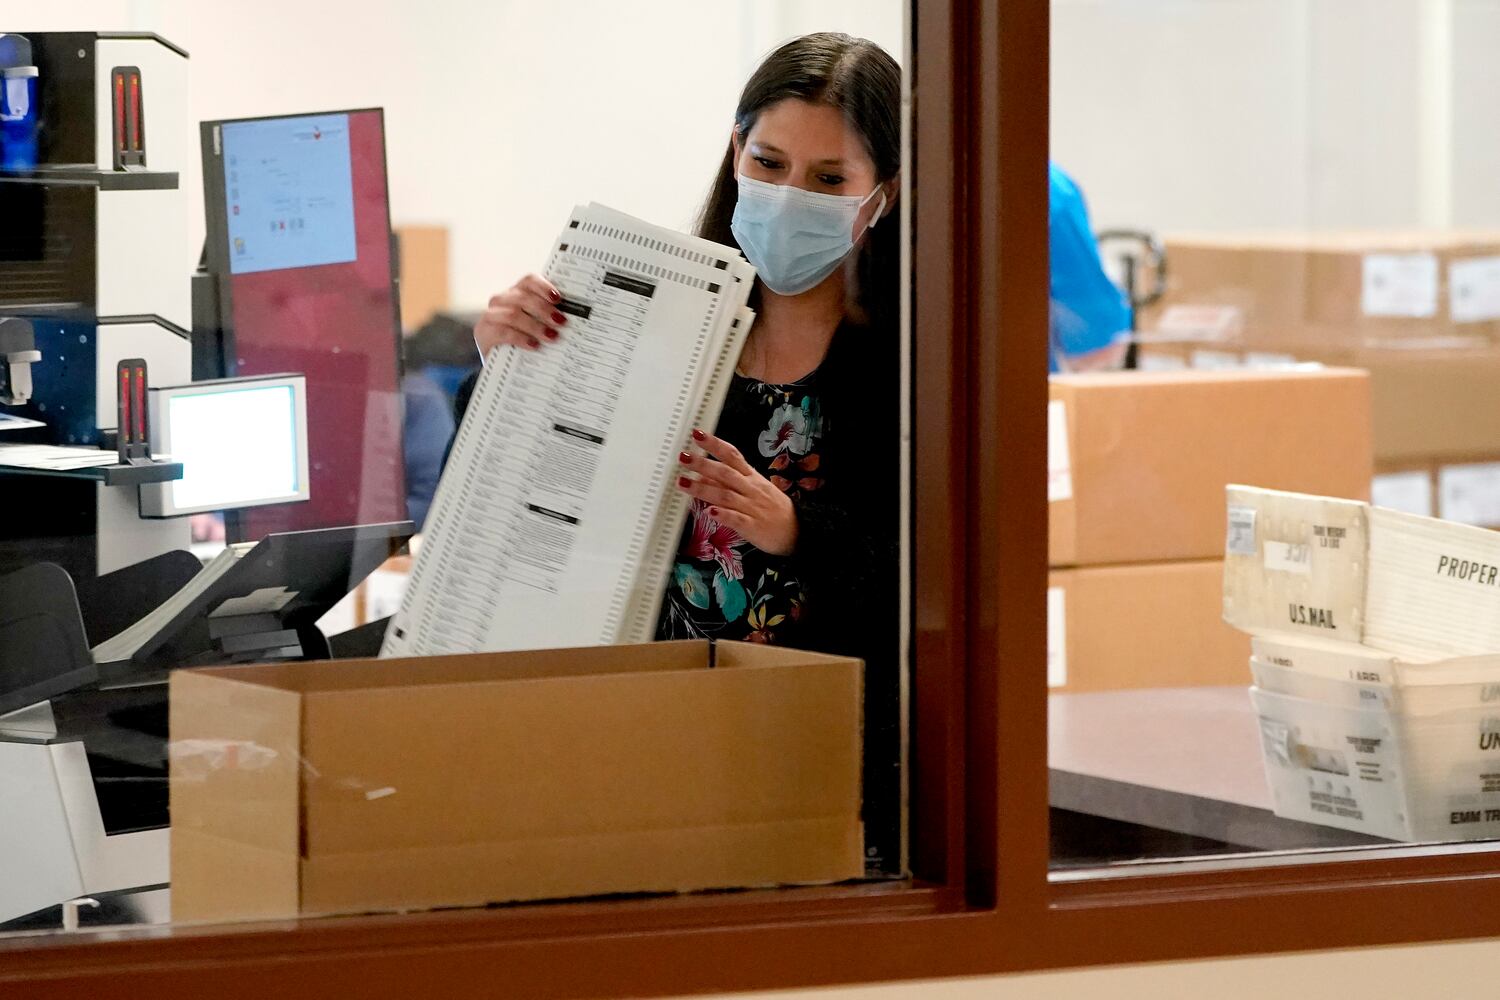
792 535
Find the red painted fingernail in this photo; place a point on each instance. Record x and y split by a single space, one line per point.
685 458
551 334
555 295
559 318
684 482
713 511
699 435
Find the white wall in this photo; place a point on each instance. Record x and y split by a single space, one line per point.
500 115
1162 108
1448 970
1279 114
1475 40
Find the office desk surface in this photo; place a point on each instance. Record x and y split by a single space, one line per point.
1181 759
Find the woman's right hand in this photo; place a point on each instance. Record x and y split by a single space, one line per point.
524 315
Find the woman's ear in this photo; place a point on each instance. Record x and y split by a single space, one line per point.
736 143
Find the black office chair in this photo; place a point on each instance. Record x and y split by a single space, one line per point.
43 650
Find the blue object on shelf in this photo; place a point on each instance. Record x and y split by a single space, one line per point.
18 104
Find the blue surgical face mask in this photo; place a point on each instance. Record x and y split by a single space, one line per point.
796 238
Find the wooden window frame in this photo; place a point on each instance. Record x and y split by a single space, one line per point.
982 903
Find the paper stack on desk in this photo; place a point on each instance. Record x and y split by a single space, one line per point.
556 522
1376 661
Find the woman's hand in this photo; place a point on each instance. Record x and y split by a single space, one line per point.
524 315
739 496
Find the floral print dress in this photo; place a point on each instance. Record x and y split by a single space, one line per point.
721 586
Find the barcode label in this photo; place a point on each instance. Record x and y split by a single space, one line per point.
1241 538
1289 557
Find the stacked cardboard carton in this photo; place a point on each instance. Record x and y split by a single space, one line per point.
1137 470
422 257
1374 682
1419 310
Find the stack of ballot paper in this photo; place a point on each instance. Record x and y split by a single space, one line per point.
556 521
1376 662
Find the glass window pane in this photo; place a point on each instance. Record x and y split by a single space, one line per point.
369 336
1279 219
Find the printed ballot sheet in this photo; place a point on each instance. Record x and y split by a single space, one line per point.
556 521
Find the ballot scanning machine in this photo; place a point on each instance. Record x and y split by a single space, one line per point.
134 396
93 271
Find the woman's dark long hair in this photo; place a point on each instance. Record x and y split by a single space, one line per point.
863 82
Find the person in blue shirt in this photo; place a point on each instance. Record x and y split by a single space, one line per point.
428 428
1090 317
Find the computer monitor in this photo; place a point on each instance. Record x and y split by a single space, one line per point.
242 443
299 252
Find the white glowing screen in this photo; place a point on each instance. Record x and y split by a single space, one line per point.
238 447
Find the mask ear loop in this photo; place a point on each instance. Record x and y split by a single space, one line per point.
880 210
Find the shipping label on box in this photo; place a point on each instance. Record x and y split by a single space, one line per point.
1469 493
1474 289
1332 765
1399 285
1409 490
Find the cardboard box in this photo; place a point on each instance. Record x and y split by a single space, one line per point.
1346 289
423 268
1144 626
1431 405
369 785
1139 461
1428 405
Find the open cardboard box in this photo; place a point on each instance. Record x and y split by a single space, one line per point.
368 785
